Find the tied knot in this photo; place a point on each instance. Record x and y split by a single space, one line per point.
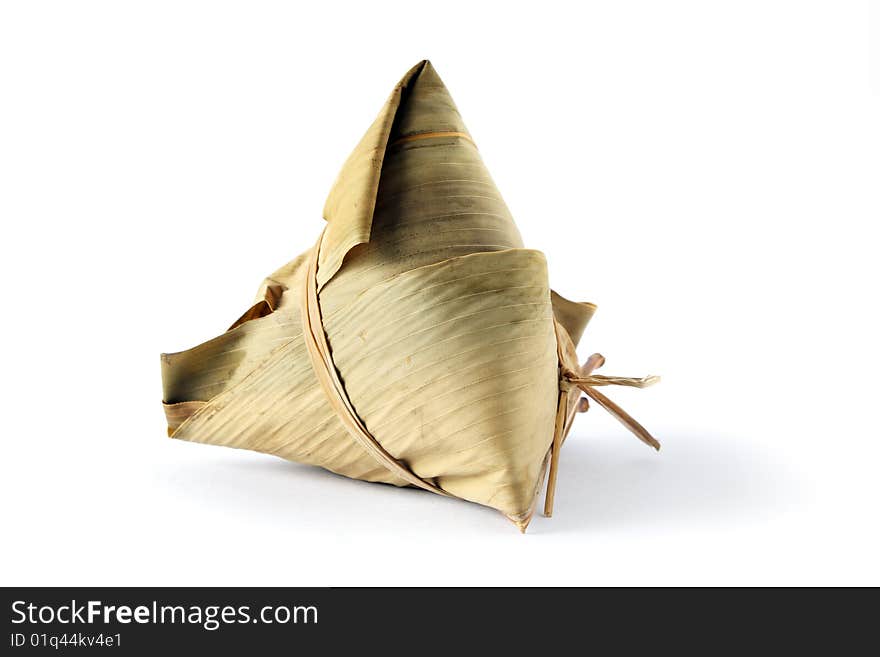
587 382
581 377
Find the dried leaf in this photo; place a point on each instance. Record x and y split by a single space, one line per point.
441 329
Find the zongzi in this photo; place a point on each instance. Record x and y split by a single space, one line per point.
417 343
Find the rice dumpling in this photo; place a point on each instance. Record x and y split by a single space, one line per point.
417 343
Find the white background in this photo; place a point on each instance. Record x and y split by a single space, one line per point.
706 172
